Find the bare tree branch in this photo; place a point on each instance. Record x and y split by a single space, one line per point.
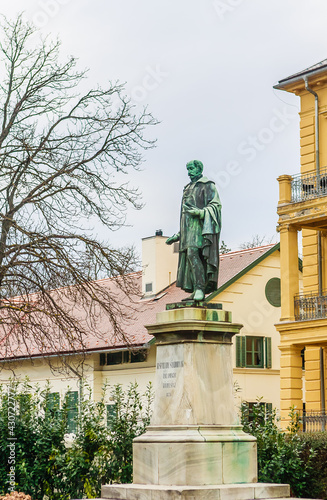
59 154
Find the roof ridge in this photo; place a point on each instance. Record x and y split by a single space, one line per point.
244 250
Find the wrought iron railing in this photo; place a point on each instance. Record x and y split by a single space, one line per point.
310 306
309 186
314 421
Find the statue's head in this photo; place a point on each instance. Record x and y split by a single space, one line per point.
195 169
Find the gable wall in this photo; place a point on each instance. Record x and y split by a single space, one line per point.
247 301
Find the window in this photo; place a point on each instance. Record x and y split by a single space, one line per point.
303 358
138 356
148 287
121 357
117 358
253 352
71 404
247 409
272 292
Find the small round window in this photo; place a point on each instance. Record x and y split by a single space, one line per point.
273 292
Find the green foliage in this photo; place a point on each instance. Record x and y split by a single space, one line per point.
125 424
50 462
281 456
317 482
224 248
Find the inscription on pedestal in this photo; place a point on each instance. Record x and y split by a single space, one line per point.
168 371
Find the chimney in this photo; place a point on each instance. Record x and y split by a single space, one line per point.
159 263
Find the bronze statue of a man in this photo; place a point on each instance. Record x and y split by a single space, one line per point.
200 226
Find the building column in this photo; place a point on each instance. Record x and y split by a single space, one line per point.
289 270
312 379
290 381
285 189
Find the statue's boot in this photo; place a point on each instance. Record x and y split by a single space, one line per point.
198 295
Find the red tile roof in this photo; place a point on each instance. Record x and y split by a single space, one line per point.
232 263
142 311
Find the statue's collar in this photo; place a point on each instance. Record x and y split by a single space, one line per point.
203 180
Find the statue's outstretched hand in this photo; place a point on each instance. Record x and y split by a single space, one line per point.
172 239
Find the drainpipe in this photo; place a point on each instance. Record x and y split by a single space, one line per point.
322 368
317 174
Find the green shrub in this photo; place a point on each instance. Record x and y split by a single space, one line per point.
125 424
35 432
282 457
317 482
45 463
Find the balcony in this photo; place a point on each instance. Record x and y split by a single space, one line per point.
314 421
309 186
310 306
303 200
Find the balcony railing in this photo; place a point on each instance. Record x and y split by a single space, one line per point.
310 306
314 421
309 186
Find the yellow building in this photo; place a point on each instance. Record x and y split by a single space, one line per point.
249 287
302 211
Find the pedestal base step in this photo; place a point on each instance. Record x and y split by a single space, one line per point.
248 491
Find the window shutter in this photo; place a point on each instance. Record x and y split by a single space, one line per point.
72 410
53 401
24 402
243 351
240 351
268 361
72 399
111 414
245 410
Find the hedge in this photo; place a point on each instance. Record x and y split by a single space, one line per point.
38 456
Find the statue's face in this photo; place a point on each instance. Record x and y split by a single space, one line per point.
194 172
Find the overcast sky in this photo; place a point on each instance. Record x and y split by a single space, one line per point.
205 69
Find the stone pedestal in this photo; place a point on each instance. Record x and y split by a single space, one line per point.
194 437
194 447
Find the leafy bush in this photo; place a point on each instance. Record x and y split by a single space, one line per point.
317 482
125 424
282 457
48 461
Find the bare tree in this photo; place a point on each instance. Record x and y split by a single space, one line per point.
59 154
257 241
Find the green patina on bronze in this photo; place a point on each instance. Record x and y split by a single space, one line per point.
190 303
200 226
